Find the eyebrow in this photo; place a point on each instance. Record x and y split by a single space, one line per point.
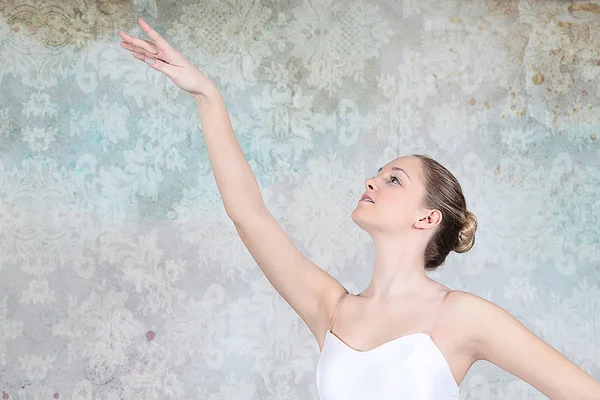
396 169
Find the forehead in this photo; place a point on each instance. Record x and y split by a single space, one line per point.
412 166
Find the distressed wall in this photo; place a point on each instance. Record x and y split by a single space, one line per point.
121 276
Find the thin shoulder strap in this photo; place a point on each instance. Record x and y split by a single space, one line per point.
337 306
437 314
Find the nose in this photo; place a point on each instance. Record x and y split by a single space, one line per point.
368 183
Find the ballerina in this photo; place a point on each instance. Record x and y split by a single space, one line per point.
405 336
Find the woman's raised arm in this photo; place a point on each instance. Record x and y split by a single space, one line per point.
307 288
236 181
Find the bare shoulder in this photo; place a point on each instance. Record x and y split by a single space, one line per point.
466 313
461 301
462 298
466 308
463 312
494 335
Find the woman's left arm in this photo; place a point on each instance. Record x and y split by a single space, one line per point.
501 339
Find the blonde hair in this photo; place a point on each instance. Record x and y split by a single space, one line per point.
456 231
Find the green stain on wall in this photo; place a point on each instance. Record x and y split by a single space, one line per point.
98 135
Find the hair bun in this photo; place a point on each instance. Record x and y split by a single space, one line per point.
466 236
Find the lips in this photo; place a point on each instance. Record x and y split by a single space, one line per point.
365 196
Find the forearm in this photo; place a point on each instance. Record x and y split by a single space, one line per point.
235 179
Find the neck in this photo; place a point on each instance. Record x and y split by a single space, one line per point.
397 272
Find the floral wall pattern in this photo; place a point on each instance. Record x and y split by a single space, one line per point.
121 276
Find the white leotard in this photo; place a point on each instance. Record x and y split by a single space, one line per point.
410 367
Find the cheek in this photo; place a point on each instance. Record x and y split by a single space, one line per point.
397 209
402 201
405 208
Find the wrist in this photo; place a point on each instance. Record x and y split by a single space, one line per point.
206 94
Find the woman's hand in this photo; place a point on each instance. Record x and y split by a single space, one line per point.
164 58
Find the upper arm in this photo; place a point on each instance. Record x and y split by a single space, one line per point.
308 289
501 339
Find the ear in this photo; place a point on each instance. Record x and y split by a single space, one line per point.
428 219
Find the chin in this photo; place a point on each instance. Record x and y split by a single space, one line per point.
358 221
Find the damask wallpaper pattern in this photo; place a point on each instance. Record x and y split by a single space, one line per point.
121 276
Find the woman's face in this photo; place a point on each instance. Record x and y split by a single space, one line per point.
397 192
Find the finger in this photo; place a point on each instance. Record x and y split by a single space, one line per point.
160 42
151 48
148 58
135 49
157 64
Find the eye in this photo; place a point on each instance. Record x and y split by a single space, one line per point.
392 177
